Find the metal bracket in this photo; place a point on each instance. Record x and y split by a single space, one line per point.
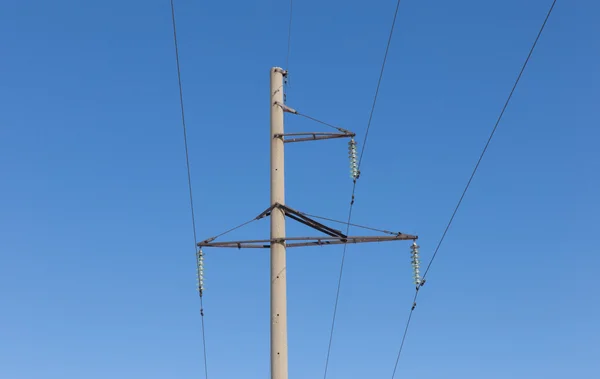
312 136
286 108
334 236
297 216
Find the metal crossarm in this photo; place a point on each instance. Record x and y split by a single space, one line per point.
311 136
306 241
334 236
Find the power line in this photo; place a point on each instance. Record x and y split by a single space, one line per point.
470 180
354 186
387 49
189 175
289 41
339 286
491 136
289 49
412 309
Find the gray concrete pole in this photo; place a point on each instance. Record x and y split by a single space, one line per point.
279 348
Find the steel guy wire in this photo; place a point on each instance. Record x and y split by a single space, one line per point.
345 223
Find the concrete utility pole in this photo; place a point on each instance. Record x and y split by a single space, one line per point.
279 345
278 212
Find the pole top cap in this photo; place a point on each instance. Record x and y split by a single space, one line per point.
279 69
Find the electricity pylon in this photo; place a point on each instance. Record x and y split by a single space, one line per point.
278 211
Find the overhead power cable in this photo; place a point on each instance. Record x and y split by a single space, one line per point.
462 196
339 285
387 48
289 40
189 175
487 144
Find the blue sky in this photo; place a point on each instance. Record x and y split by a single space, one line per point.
97 276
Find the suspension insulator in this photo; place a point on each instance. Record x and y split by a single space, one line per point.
200 269
353 159
416 263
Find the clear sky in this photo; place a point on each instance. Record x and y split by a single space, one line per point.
97 276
